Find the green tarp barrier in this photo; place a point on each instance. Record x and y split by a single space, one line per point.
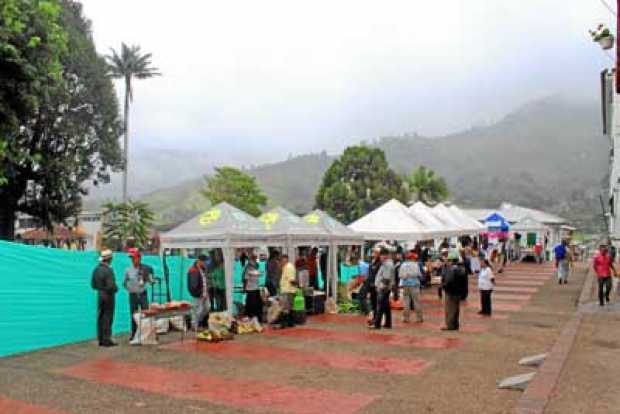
46 299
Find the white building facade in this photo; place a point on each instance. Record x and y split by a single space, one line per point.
610 105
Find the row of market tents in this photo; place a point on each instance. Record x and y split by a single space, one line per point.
228 228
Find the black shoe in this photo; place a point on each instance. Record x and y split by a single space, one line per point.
607 299
559 281
387 327
601 304
108 344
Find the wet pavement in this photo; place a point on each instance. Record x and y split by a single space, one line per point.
332 364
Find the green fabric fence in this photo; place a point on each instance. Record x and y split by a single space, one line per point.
46 299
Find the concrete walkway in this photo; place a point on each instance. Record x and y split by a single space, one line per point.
333 364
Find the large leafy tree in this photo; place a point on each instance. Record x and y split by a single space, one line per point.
357 183
128 222
236 188
32 41
130 63
427 187
66 133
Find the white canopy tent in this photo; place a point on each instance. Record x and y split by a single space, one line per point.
424 215
467 219
295 230
340 235
391 221
448 217
222 226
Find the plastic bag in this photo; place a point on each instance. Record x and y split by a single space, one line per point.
146 334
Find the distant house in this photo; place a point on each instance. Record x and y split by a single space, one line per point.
87 230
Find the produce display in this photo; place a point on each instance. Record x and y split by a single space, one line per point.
213 335
348 307
156 308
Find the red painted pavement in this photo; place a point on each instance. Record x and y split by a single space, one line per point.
339 360
188 385
360 320
361 337
20 407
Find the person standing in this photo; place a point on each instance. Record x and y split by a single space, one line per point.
219 282
288 289
313 271
486 282
410 283
103 282
603 267
452 281
475 260
274 273
199 290
363 269
136 277
561 261
398 258
369 285
383 283
253 299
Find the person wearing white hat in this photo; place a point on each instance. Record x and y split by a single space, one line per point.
103 282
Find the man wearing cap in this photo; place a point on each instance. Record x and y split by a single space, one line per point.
453 279
103 282
383 284
136 277
410 283
199 290
603 267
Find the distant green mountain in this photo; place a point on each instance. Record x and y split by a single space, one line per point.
549 154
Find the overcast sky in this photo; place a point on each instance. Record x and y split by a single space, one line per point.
269 77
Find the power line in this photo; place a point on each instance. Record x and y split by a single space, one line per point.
608 7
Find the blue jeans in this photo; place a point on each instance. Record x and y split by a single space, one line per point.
136 301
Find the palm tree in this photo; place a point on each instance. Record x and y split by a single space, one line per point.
127 221
426 186
129 64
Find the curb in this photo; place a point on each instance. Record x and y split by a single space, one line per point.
536 396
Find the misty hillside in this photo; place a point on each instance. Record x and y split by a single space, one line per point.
548 154
151 169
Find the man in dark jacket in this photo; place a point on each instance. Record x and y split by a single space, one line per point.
105 285
199 290
369 286
453 284
274 273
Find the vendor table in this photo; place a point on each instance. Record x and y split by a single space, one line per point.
167 314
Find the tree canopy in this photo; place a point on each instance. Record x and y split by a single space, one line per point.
236 188
426 187
357 183
32 42
65 133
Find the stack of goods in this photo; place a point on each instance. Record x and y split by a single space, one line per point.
248 326
220 328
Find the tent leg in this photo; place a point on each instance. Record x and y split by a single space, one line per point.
228 274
